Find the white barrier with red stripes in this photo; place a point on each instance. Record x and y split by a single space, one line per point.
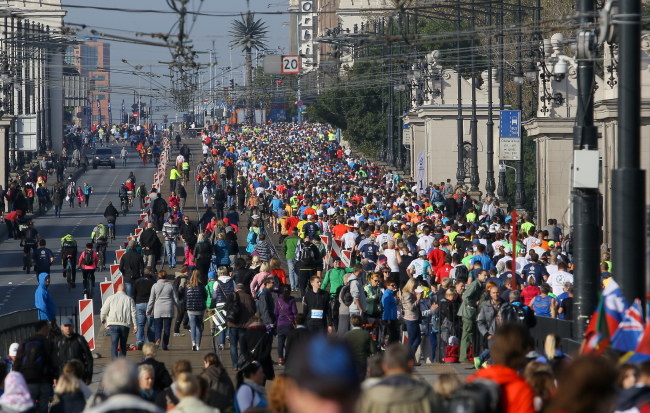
105 289
116 276
87 322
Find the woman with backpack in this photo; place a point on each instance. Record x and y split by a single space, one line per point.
258 279
253 233
195 302
251 393
221 251
285 312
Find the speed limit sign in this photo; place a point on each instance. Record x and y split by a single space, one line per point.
290 64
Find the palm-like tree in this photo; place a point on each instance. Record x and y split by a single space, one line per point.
248 34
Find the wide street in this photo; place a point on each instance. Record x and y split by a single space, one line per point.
17 288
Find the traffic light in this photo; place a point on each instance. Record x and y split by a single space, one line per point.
232 83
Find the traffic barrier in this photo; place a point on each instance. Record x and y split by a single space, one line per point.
87 322
119 253
106 289
138 231
116 276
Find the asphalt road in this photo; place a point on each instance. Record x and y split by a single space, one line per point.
17 288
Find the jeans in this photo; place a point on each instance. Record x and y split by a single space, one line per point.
142 320
196 328
170 251
118 338
162 329
293 276
236 334
57 211
283 331
128 289
41 394
181 317
414 334
89 281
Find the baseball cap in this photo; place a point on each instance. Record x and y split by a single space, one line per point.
422 252
507 250
13 349
68 322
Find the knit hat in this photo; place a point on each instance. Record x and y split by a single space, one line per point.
16 397
212 275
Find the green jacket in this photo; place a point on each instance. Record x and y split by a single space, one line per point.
334 278
468 308
208 289
289 246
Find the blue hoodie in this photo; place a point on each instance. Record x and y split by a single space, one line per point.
389 304
43 301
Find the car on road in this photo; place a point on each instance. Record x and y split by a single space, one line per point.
103 157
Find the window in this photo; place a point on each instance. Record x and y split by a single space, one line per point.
99 78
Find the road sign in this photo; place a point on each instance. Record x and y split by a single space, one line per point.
510 124
509 149
290 64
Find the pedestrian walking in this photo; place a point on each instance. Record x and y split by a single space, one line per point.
117 315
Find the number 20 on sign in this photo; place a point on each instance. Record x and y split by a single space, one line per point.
290 64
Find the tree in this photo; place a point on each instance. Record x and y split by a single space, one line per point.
248 34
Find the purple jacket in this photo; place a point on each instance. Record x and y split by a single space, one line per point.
285 312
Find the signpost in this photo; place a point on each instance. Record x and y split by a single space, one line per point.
290 65
510 135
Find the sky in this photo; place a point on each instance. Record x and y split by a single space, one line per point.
205 31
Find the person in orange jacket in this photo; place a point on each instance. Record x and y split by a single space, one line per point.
510 345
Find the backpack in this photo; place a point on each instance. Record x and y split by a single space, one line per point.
437 196
345 295
34 363
462 273
478 396
307 254
88 258
518 314
233 308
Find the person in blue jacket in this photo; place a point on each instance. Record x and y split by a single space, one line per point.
42 299
389 315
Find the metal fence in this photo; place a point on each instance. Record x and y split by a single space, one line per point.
562 328
16 327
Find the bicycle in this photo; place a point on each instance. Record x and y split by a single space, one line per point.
101 251
111 230
69 271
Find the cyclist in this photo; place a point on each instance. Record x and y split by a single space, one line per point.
28 240
141 194
69 249
88 261
131 177
124 197
43 258
130 187
110 213
100 237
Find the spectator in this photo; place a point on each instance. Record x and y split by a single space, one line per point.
169 397
141 292
120 385
43 300
37 362
218 381
285 314
188 392
161 377
118 314
468 311
146 382
16 397
195 302
360 343
251 394
68 396
398 390
510 344
73 346
161 305
131 267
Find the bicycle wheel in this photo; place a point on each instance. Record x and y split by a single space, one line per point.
68 276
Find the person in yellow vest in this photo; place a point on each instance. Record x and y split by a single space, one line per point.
185 166
174 175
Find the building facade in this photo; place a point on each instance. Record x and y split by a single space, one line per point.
93 62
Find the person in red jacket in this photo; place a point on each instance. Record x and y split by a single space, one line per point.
88 261
510 345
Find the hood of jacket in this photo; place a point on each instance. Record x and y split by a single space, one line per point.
41 279
224 279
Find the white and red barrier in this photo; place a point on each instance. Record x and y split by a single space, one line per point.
87 321
116 276
106 289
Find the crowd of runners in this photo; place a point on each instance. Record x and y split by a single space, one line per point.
357 276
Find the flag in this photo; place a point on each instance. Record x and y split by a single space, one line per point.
629 331
642 351
110 114
99 113
596 338
615 305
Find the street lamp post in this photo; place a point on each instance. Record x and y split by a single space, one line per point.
489 178
474 179
460 166
519 176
